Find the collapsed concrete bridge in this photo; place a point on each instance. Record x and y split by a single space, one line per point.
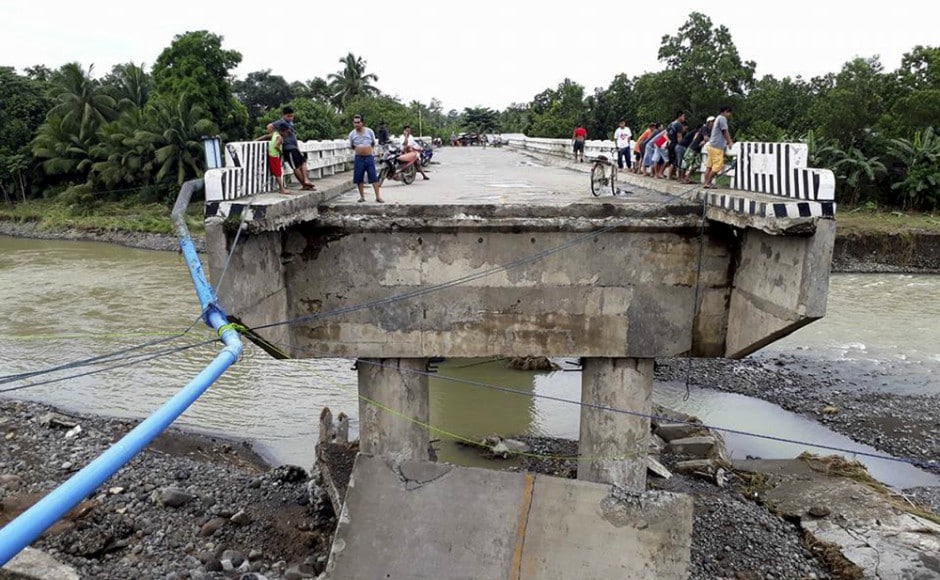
503 255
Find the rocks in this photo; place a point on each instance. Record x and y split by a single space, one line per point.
169 513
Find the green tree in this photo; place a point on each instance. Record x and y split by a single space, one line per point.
351 81
480 120
129 85
376 109
612 104
916 104
122 157
557 112
22 109
312 120
854 171
63 152
778 108
317 89
261 92
196 68
515 118
919 185
852 105
80 101
174 132
703 71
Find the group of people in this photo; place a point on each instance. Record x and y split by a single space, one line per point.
282 144
670 152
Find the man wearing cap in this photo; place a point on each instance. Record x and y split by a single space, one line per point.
693 155
720 139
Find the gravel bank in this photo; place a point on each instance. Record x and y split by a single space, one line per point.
900 425
190 506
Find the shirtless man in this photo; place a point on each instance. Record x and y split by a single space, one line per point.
362 140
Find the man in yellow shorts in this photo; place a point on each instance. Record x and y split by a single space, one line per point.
720 140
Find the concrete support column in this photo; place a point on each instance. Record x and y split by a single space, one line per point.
614 445
393 407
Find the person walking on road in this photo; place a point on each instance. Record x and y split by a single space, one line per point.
362 140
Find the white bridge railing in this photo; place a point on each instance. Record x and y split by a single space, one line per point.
777 169
246 166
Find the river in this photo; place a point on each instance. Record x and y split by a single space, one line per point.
68 301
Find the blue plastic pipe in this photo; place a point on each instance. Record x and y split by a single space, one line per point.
22 531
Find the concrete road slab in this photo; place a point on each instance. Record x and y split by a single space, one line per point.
420 520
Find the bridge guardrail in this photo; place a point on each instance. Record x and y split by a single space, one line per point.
774 169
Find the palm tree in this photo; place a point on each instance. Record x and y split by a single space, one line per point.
174 133
121 158
855 169
81 101
350 82
129 85
64 152
920 185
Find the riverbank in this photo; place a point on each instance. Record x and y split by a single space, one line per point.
192 506
189 506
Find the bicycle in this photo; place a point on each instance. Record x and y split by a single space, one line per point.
604 173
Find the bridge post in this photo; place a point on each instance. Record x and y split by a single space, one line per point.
614 446
393 407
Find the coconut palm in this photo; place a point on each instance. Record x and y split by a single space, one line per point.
62 151
121 158
129 85
174 131
81 102
351 81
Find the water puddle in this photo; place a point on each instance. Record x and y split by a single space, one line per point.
478 412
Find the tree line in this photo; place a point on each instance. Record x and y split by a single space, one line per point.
134 135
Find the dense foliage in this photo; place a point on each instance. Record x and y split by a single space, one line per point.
134 134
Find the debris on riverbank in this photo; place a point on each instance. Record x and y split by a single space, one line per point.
190 506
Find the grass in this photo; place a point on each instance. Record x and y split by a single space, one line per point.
55 215
838 466
862 220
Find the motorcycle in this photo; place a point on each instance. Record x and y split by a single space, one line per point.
398 166
426 152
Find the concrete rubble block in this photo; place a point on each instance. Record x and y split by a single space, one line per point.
656 445
695 446
35 564
696 466
672 431
469 523
874 531
656 468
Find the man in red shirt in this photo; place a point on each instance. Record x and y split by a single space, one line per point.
580 136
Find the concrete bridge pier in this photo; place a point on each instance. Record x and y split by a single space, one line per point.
613 446
393 407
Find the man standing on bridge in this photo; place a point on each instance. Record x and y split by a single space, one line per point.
290 149
362 140
720 139
580 136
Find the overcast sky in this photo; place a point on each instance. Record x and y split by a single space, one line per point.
480 53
